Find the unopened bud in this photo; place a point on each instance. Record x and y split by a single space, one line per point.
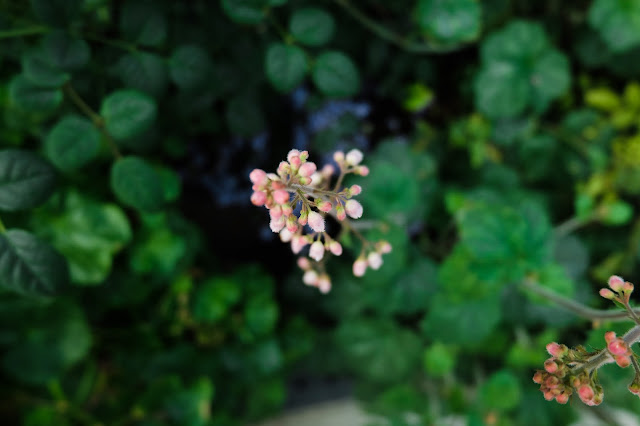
316 221
616 283
607 294
374 260
353 208
354 157
307 169
316 252
359 267
362 171
355 190
335 248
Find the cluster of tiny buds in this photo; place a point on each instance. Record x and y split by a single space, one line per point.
298 186
573 369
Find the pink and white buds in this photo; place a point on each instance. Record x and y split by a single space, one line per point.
258 198
310 277
362 171
335 248
338 157
616 283
258 177
316 221
324 284
355 190
374 260
297 243
304 263
277 225
353 209
359 267
286 235
281 196
354 157
307 169
316 251
324 206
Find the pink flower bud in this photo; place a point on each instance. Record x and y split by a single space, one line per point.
304 155
353 209
277 225
340 213
616 283
298 243
563 398
328 170
258 176
258 198
316 251
304 264
275 212
551 365
557 350
307 169
286 209
383 247
292 226
281 196
538 377
316 179
325 206
374 260
362 171
286 235
354 157
292 153
304 217
284 168
618 347
335 248
627 287
305 180
607 294
310 277
324 284
338 157
623 361
316 221
359 267
610 336
586 394
355 190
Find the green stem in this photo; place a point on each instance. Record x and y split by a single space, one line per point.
2 228
390 36
21 32
97 120
576 307
570 225
119 44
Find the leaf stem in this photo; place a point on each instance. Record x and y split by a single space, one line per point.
576 307
21 32
96 118
2 228
570 225
390 36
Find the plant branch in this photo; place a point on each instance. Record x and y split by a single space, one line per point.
570 225
21 32
2 228
576 307
390 36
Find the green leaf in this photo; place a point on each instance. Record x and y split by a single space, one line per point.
45 416
391 191
379 350
31 97
65 51
190 67
29 266
311 26
128 113
501 392
143 23
191 406
466 323
41 72
26 180
615 213
286 66
73 142
553 277
143 71
519 69
57 13
245 11
617 21
451 21
244 116
439 360
88 234
335 74
136 184
214 298
410 292
261 315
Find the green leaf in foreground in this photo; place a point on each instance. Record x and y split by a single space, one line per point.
128 113
137 184
335 74
285 66
311 26
29 266
25 180
72 143
31 97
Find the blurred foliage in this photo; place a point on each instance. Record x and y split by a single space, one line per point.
503 142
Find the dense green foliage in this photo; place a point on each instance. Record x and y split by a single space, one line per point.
137 286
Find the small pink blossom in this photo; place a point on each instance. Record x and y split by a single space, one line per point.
281 196
363 171
359 267
607 294
275 212
304 264
277 225
383 247
616 283
335 248
338 157
325 206
258 176
353 208
354 157
292 226
355 190
258 198
307 169
286 235
310 277
316 251
298 243
316 221
340 213
324 284
374 260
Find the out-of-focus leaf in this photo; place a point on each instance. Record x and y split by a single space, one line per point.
26 180
335 74
285 66
452 21
617 21
137 184
311 26
128 113
72 142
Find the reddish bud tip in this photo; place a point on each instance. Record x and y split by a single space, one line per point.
616 283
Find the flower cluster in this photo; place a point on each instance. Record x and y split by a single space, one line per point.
299 197
570 370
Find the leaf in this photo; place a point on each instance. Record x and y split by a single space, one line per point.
311 26
285 66
191 406
553 277
615 213
378 350
72 143
411 291
519 68
40 72
244 116
190 67
143 71
214 298
65 51
159 252
245 11
26 180
466 323
128 113
451 21
500 392
136 184
336 75
439 360
57 13
617 21
29 266
31 97
143 23
261 315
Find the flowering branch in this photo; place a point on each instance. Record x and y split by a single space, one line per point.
570 370
298 186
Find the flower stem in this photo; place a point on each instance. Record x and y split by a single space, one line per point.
2 228
21 32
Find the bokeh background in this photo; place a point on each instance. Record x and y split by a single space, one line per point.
139 286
